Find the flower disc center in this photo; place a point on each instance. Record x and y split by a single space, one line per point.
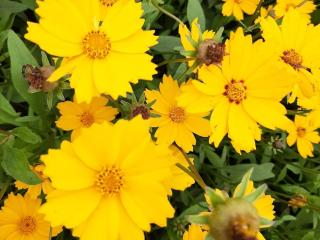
292 58
96 44
177 114
86 119
27 225
301 131
108 3
110 180
235 91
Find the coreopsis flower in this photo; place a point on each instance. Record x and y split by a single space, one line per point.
101 56
35 190
244 92
109 182
179 179
200 48
304 133
238 7
195 232
77 116
295 45
240 216
20 220
175 124
305 7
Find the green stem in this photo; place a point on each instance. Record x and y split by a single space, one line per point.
256 12
155 4
194 170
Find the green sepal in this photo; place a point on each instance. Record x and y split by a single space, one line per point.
256 193
215 199
218 35
198 219
243 184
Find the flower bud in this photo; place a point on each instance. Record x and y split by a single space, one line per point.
37 78
237 219
211 52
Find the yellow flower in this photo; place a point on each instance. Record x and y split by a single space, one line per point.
200 47
77 116
195 232
20 220
238 7
175 124
305 7
35 190
295 44
102 56
109 182
179 179
304 133
243 93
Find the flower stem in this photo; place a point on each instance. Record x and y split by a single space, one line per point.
195 174
154 3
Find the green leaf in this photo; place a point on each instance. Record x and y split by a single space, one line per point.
7 6
194 10
6 106
26 135
167 44
16 165
19 56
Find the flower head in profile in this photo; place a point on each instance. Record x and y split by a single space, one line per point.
195 232
200 48
76 116
243 94
20 219
101 56
175 124
295 45
237 8
240 216
108 179
304 133
34 191
305 7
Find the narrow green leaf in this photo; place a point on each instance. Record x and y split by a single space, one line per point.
26 135
6 106
194 10
167 44
215 199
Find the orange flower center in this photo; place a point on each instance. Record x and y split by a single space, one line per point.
96 44
177 114
86 119
108 3
27 225
301 132
292 58
110 180
235 91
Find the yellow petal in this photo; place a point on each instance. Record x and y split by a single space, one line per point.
198 125
60 163
70 208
